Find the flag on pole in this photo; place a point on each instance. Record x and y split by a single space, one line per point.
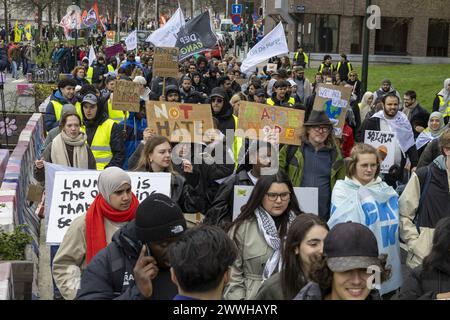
273 44
17 32
131 41
92 56
28 34
195 36
166 36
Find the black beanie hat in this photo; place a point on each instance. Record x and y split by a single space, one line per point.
158 218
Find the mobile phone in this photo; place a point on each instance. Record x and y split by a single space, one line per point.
149 253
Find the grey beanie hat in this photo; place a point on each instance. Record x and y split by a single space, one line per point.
67 108
110 180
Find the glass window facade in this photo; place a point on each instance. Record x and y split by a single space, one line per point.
392 38
437 45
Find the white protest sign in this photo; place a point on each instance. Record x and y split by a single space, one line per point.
384 142
308 199
74 192
131 41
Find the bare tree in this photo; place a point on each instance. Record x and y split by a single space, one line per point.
5 7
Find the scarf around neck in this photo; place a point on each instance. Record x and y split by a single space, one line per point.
266 225
95 225
59 154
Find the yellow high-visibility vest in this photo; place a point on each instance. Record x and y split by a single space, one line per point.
270 101
101 144
89 74
304 55
237 143
349 66
446 112
116 115
57 107
323 66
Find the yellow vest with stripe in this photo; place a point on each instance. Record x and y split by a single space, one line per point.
323 66
110 68
349 66
446 112
116 115
101 144
89 74
304 55
270 101
79 111
237 143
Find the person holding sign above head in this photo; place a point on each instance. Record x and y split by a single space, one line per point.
157 157
89 233
136 265
281 97
68 148
318 162
364 198
104 136
391 120
259 233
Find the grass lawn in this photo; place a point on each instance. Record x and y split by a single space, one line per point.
426 80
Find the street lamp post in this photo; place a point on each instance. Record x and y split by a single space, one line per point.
365 64
118 21
2 100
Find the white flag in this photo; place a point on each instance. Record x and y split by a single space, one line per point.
273 44
92 56
131 41
166 36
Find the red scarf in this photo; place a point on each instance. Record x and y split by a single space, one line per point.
95 226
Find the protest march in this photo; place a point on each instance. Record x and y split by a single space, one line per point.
177 167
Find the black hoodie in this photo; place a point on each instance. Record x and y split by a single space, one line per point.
109 275
116 141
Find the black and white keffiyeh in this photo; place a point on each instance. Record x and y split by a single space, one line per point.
268 228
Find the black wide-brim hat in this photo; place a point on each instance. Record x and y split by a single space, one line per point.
318 118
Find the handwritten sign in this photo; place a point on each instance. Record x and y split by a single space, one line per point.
165 62
180 121
384 142
257 120
272 67
110 36
335 101
74 192
126 96
308 199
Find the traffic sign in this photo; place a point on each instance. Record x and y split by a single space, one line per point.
236 9
236 18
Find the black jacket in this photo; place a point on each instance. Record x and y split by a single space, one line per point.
190 97
157 86
431 152
200 87
116 141
109 275
425 284
374 124
211 83
221 211
418 117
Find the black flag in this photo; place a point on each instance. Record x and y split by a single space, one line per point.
196 36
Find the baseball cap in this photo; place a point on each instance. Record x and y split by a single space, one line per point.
90 98
218 92
350 246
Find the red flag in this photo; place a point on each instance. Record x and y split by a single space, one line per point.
99 21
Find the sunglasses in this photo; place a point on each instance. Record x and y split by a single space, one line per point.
219 100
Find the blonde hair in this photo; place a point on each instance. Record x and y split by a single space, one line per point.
361 148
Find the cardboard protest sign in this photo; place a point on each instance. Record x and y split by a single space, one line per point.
272 67
335 101
308 199
165 62
110 37
384 142
180 121
126 96
74 191
261 118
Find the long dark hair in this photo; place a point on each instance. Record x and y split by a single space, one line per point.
293 277
262 186
439 255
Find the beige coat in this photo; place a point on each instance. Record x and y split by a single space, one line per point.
419 245
247 270
70 259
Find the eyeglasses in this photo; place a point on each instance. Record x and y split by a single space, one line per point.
219 100
284 196
321 129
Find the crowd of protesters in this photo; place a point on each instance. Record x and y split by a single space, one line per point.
272 250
